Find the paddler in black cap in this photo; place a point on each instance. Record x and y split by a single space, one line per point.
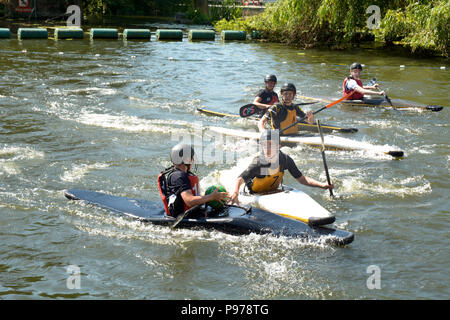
266 171
179 187
266 97
284 114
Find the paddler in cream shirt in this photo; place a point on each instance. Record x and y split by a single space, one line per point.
266 171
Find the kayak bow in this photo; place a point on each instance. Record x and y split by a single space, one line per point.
286 203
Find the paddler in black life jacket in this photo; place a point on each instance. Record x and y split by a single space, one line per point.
284 114
266 97
353 82
179 187
266 171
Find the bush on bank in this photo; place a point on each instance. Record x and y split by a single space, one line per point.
421 26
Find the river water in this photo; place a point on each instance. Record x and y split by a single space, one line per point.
103 115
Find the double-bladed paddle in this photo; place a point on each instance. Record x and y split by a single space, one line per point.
323 108
251 109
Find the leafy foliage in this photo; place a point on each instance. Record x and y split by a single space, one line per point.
422 26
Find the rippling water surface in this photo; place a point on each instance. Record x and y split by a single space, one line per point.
103 115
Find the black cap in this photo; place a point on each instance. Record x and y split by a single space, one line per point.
270 77
288 87
356 65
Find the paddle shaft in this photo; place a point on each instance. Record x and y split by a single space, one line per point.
385 95
323 157
323 108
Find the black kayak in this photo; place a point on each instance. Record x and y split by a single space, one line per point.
233 219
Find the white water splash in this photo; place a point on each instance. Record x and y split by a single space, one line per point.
357 187
14 153
130 123
77 172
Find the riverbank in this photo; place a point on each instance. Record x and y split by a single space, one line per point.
366 42
422 28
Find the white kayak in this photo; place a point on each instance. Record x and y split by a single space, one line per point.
331 142
287 202
290 203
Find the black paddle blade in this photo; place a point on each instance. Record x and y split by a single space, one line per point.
434 108
388 100
178 220
348 130
249 110
183 215
396 154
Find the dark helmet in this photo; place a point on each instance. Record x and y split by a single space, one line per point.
270 77
356 65
288 87
182 154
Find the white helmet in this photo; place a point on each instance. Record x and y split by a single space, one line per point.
182 154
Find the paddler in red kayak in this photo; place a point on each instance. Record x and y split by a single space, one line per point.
266 171
179 187
353 82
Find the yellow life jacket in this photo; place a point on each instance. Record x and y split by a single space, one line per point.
267 183
291 117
